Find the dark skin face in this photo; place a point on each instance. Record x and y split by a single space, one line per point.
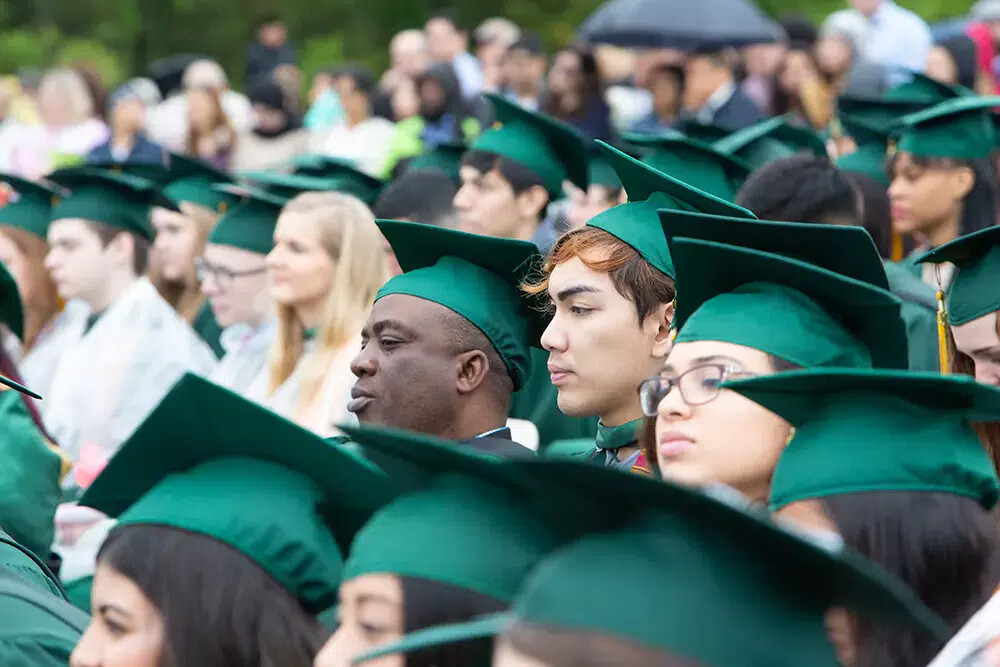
409 374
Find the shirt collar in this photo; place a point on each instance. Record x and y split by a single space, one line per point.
502 432
719 98
616 437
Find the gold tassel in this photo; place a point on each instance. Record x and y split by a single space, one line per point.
942 332
896 249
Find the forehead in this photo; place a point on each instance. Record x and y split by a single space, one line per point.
574 273
684 355
224 254
978 334
298 225
112 587
419 315
70 228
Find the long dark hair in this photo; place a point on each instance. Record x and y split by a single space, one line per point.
944 547
979 208
429 603
218 606
590 87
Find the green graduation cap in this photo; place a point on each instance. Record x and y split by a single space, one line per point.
445 157
363 187
348 178
794 310
636 223
119 200
208 461
29 204
700 164
770 140
872 144
686 557
848 251
435 260
960 128
36 628
705 132
157 172
193 180
600 170
975 285
876 112
922 88
249 224
872 430
548 147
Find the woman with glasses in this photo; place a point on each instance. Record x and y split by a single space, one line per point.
233 276
763 314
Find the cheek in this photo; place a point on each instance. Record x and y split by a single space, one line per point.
988 372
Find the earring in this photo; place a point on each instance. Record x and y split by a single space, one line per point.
791 435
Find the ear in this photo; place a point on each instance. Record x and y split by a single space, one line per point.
472 368
663 340
532 201
963 179
121 248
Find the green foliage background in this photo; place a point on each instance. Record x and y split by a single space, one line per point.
121 37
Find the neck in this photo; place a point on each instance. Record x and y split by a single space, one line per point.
473 421
310 315
122 137
622 415
111 291
526 229
945 231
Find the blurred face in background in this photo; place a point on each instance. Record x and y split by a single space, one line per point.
235 282
299 267
763 59
204 111
866 7
524 71
273 34
834 55
941 66
408 53
922 197
797 70
175 245
566 73
703 75
665 87
128 115
444 41
405 100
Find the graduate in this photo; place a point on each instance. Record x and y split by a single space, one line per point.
765 313
604 191
449 340
611 287
701 165
233 275
698 583
232 524
888 461
130 346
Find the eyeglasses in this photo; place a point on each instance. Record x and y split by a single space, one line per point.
223 276
698 385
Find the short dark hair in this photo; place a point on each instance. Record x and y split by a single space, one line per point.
429 603
800 188
529 42
218 606
520 177
362 77
465 336
420 195
876 215
140 244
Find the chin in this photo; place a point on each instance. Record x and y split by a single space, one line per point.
572 406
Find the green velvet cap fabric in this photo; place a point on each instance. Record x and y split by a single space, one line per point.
870 155
489 270
29 204
288 186
600 170
876 112
769 140
155 172
637 223
194 180
922 88
37 629
960 128
446 158
208 461
687 557
975 286
699 164
28 566
858 431
551 149
249 224
342 174
848 251
118 200
796 311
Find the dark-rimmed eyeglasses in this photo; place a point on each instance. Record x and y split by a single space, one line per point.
698 385
223 277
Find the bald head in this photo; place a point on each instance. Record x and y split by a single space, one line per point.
205 74
408 52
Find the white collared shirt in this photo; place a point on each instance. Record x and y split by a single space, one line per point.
899 40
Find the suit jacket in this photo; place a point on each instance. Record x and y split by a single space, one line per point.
738 112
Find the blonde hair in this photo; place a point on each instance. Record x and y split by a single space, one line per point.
351 239
66 84
185 296
41 300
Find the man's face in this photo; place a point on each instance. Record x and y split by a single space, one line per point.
866 7
406 368
702 77
77 260
273 34
523 71
584 205
486 204
443 41
129 113
598 352
235 282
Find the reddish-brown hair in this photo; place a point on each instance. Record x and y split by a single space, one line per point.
41 300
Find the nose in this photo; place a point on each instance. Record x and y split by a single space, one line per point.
461 200
49 262
210 286
554 339
273 259
335 652
895 188
987 374
364 362
84 654
673 406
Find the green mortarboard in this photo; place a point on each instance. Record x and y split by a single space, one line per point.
848 251
118 200
770 140
446 158
686 557
922 88
36 628
701 165
208 461
29 205
600 170
791 309
362 186
877 113
869 157
193 180
551 149
974 286
347 177
636 223
961 128
155 172
858 431
706 132
250 223
435 260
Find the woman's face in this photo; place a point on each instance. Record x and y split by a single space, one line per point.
299 268
940 66
730 439
405 100
980 341
201 109
565 73
370 615
175 245
17 264
921 197
125 630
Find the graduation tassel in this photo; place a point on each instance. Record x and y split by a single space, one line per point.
942 325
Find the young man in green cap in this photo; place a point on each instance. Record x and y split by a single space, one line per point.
441 360
612 289
131 346
233 276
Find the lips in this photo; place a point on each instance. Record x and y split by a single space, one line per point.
558 374
361 398
673 444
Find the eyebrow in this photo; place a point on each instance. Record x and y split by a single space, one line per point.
105 608
382 325
989 349
562 295
374 597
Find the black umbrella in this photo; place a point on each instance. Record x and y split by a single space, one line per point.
681 24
